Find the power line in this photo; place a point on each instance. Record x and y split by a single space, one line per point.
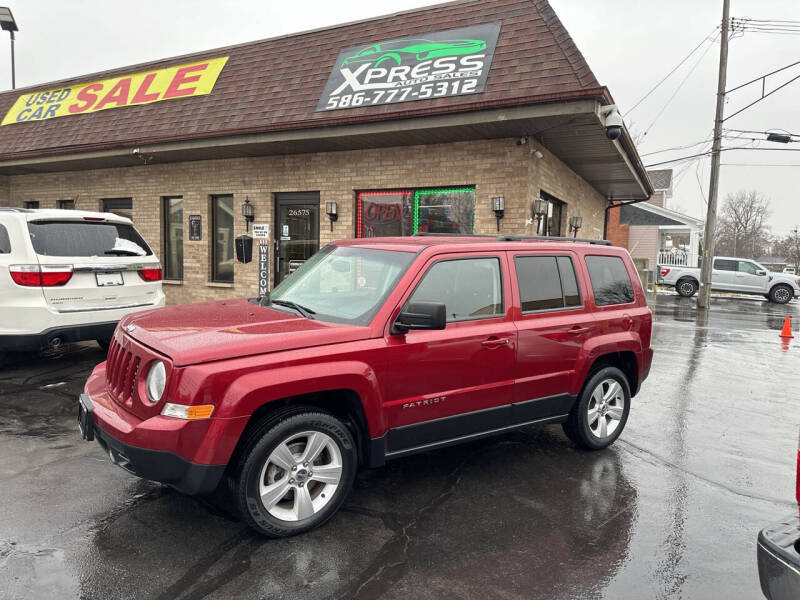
705 141
683 158
760 164
678 66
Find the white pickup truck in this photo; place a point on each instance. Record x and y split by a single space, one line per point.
738 275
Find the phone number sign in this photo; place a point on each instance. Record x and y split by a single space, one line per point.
435 65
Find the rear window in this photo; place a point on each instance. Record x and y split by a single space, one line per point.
5 243
610 280
86 238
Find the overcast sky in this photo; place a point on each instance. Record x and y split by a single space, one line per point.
629 44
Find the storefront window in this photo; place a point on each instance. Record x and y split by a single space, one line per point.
31 204
383 214
119 206
444 211
222 239
172 221
66 204
551 223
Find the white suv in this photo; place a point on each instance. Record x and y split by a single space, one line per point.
69 275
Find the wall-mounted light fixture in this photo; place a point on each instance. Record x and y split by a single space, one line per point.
499 208
248 212
575 224
539 210
332 209
538 154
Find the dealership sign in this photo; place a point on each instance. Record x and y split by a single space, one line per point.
181 81
435 65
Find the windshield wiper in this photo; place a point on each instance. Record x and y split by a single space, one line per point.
119 252
305 312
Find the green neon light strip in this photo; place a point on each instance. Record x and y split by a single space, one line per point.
418 193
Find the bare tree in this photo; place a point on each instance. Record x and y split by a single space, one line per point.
742 228
789 248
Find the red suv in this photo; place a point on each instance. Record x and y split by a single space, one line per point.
374 349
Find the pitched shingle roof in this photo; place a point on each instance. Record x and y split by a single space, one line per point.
275 84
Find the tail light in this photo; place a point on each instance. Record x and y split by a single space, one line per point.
150 273
40 276
664 271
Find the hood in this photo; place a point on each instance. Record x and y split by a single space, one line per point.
208 331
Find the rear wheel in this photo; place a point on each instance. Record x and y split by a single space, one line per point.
686 288
601 412
781 294
295 472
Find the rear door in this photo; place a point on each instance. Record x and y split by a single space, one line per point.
553 323
724 275
105 262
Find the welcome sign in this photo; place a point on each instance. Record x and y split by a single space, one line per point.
182 81
436 65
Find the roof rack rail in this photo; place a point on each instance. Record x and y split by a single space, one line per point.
546 238
429 234
13 209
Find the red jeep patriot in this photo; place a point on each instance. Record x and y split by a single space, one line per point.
374 349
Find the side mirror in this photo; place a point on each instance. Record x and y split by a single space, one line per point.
421 315
761 272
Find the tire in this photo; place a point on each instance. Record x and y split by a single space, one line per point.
686 288
103 343
611 385
271 464
781 293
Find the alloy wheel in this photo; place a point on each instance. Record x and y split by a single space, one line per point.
606 408
300 476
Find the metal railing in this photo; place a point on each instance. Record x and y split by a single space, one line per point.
680 259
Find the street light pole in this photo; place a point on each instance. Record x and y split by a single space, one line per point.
13 68
713 189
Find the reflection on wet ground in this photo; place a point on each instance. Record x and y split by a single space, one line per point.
671 511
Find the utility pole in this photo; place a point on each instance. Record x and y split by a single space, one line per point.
713 188
13 66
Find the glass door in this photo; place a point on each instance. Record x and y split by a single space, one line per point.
296 231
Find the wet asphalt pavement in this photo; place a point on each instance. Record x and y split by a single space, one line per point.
670 511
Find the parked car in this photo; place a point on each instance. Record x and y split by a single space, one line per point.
69 275
779 553
739 275
374 349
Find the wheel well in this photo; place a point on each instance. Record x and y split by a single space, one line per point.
343 404
625 362
690 278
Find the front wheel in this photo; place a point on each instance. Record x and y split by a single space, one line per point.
781 294
295 472
686 288
600 414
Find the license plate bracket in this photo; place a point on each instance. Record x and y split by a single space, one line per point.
85 421
109 279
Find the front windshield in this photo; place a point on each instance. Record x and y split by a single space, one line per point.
343 284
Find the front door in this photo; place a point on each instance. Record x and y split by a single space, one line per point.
296 231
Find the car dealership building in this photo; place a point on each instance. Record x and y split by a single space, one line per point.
473 116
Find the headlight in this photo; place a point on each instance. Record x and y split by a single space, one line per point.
156 381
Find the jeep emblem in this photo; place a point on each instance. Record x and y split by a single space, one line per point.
130 328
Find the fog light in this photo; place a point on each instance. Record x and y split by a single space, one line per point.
190 413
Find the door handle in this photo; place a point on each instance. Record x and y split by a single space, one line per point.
578 330
495 342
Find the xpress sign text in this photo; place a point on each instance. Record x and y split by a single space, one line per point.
435 65
181 81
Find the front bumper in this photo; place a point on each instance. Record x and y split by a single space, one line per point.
779 559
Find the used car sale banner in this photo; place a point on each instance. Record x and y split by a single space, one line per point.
181 81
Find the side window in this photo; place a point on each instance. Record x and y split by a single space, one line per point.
539 283
610 280
572 294
722 264
470 288
747 267
5 243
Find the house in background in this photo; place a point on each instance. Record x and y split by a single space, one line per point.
653 233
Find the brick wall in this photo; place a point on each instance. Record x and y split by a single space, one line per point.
5 198
494 167
617 233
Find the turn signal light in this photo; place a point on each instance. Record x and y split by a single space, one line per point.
44 276
150 273
664 271
190 413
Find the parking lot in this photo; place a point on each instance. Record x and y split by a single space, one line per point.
670 511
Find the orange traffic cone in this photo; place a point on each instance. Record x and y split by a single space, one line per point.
786 332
